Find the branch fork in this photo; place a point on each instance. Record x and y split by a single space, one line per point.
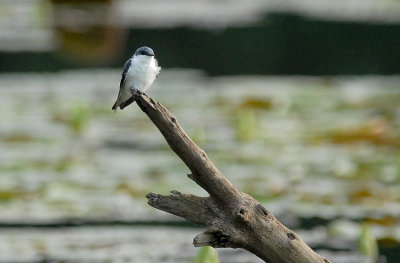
234 219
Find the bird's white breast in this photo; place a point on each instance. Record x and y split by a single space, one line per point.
142 73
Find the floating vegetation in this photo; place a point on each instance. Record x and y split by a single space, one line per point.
18 138
76 116
367 244
376 131
304 150
245 124
257 103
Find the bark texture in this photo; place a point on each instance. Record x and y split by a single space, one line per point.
234 219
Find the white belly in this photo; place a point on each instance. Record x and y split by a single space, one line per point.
141 75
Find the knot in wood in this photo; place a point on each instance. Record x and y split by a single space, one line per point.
242 213
291 236
262 210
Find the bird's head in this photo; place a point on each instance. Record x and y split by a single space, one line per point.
144 51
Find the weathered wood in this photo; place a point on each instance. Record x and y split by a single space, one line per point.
234 219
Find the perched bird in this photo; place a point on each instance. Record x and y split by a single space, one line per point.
139 73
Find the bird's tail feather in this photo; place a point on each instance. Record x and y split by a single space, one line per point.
114 107
126 103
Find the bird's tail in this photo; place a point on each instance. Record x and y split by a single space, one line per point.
126 103
122 105
114 107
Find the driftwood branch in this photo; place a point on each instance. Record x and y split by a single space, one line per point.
234 219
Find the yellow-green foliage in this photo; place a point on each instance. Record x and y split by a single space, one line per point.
367 243
78 118
245 124
206 255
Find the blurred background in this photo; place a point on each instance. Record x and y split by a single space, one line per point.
296 102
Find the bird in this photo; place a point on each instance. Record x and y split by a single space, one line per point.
139 73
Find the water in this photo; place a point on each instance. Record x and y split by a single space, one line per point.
311 149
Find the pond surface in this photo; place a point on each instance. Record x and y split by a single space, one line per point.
322 154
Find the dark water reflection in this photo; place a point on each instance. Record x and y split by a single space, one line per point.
281 44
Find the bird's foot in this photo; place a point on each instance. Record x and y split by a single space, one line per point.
136 92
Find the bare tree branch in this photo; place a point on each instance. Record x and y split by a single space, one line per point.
234 219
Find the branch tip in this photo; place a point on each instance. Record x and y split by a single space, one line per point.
153 198
214 239
175 192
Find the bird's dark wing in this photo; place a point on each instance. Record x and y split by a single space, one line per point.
121 84
126 69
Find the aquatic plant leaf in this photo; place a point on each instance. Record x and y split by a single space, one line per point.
257 103
79 117
367 243
376 131
245 125
206 255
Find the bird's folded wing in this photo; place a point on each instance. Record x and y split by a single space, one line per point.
125 72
